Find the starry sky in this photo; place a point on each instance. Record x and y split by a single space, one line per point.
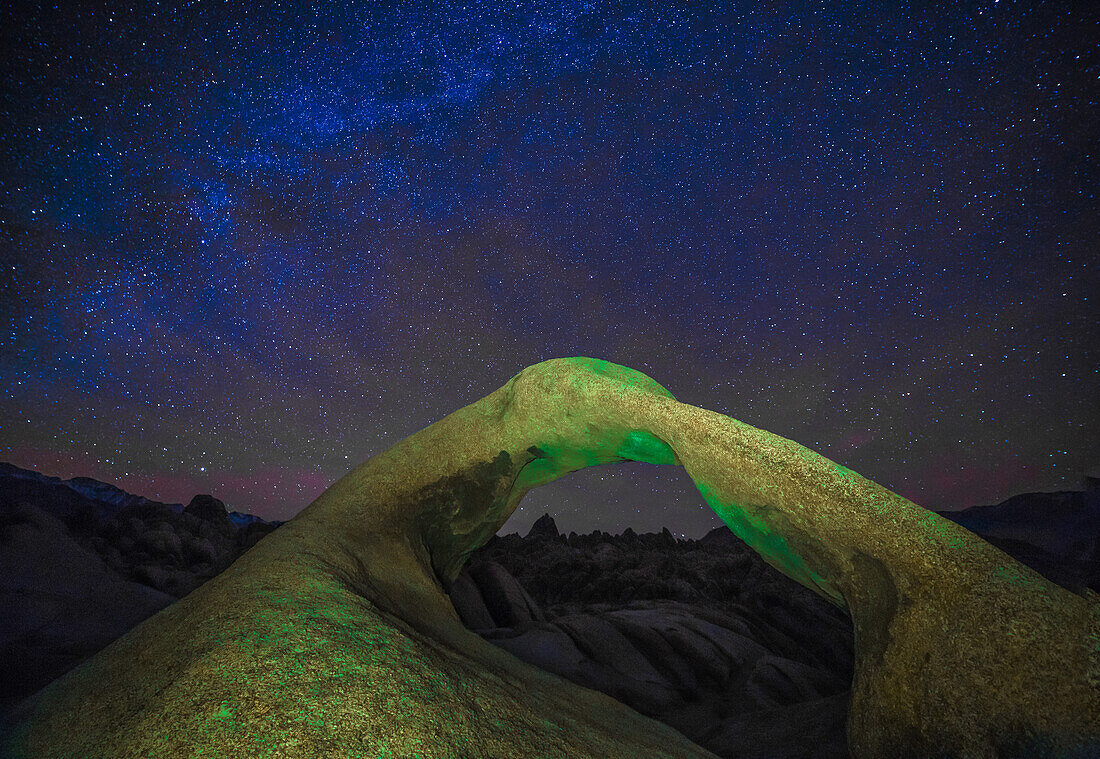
245 246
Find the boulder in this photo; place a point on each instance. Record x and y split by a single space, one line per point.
505 599
469 604
61 603
209 509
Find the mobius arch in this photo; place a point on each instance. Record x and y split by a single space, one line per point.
335 634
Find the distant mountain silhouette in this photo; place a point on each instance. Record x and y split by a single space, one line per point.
1057 534
103 497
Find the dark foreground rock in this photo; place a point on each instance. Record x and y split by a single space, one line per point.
61 602
82 562
701 635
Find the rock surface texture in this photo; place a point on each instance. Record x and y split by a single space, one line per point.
333 636
702 636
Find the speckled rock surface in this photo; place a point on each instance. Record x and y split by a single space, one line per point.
333 636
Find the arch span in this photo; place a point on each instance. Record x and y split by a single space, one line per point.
334 633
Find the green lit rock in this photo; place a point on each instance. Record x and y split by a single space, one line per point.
333 636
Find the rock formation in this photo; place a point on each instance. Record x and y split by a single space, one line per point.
545 527
333 635
704 637
60 601
208 508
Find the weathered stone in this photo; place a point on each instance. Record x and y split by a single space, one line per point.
469 604
766 734
208 508
544 527
60 602
333 635
505 599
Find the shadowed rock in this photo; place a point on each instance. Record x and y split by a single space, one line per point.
505 599
333 634
208 508
545 527
60 602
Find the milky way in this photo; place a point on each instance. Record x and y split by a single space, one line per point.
245 248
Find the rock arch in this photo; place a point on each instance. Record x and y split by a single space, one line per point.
334 635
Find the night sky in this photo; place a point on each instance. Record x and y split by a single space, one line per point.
245 248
